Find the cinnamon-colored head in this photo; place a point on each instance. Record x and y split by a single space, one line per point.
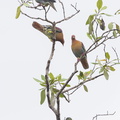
73 37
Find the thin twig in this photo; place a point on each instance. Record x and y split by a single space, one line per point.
75 7
58 94
67 18
71 76
63 8
116 55
100 115
81 83
69 79
91 48
37 18
94 67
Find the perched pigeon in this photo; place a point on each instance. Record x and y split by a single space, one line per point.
48 31
46 3
78 50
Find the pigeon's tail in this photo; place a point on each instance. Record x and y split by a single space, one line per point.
52 5
38 26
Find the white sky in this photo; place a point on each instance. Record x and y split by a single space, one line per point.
23 55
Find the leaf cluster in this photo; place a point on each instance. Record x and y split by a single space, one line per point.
55 83
84 76
97 20
26 3
52 87
106 65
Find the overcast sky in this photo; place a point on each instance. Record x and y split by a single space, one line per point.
24 52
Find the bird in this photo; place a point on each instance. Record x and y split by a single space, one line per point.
48 31
78 50
46 3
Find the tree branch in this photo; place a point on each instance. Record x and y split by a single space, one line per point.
37 18
100 115
63 8
68 17
47 79
116 55
63 87
71 76
91 48
82 83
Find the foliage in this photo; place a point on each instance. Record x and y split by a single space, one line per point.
55 83
97 20
99 31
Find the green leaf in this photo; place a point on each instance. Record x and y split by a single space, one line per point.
118 28
110 26
114 34
103 8
90 28
66 85
81 75
101 70
90 18
106 75
107 55
99 38
105 14
85 88
89 36
43 77
63 79
37 80
62 95
51 81
118 12
93 36
55 90
43 96
68 118
96 11
43 84
112 68
95 63
26 4
99 4
51 76
86 74
99 62
18 12
59 77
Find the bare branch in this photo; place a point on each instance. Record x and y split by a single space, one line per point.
100 115
116 55
75 7
69 79
68 17
63 8
37 18
71 76
82 83
47 80
105 37
94 67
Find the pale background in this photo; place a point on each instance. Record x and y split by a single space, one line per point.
23 55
